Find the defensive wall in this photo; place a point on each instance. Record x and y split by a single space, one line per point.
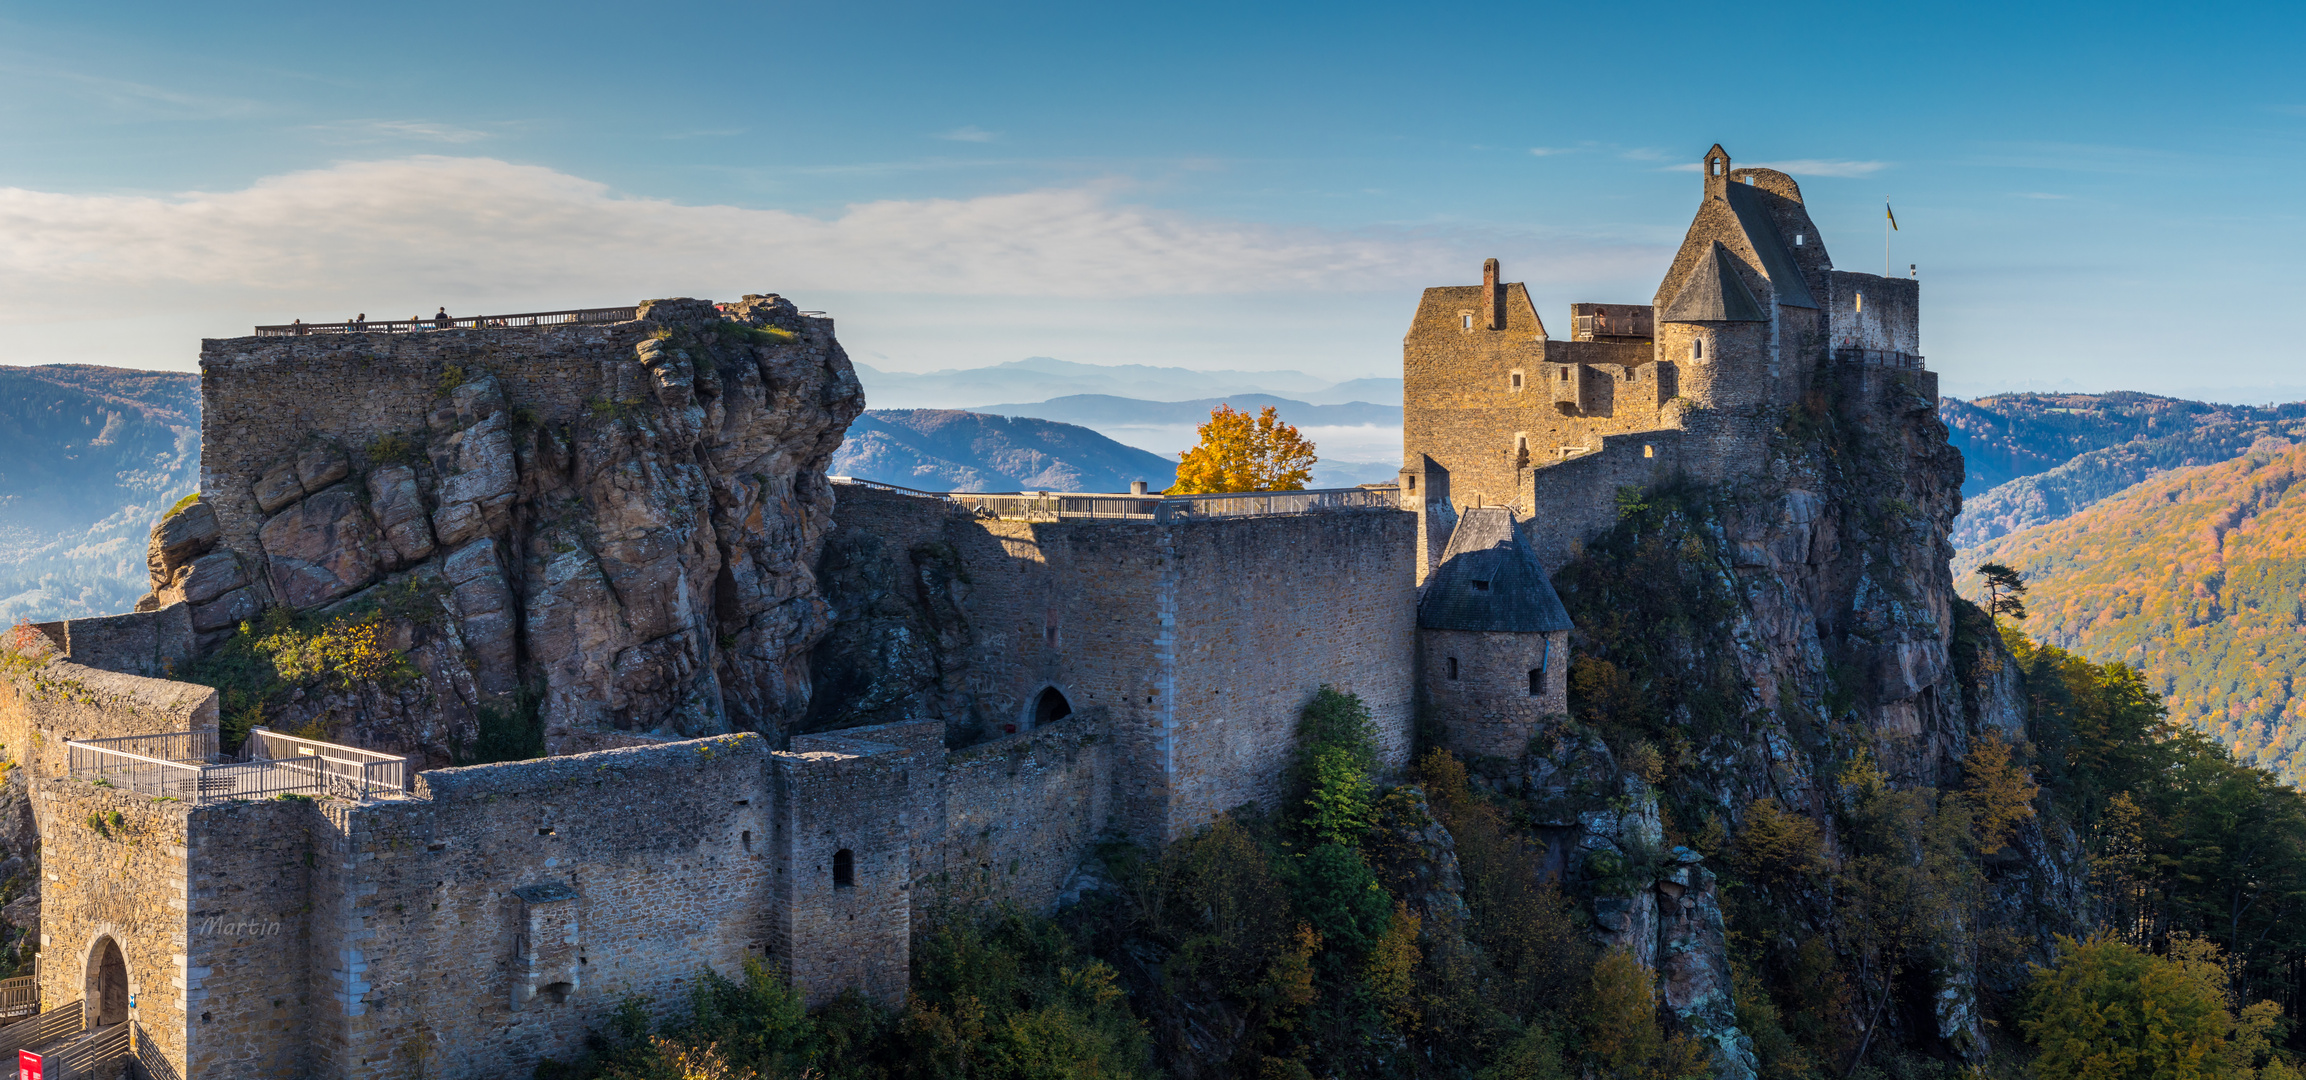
1193 645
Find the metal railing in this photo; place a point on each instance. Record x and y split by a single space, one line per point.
348 766
1067 506
188 767
1879 358
61 1022
479 322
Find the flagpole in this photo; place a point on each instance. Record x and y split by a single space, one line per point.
1885 236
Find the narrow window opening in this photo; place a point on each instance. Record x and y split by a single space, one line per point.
1517 380
1861 300
1453 667
1413 483
844 869
1468 322
1648 451
1537 682
1480 585
1565 374
748 838
1798 238
1697 349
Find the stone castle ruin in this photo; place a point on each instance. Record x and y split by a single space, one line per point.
780 715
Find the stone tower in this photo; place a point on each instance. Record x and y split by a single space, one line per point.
1493 639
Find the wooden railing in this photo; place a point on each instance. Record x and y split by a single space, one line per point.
19 997
444 322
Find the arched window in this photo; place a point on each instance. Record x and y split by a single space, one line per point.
1050 707
1697 348
844 869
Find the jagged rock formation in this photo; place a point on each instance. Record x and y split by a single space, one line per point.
613 525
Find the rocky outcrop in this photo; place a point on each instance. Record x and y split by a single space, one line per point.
624 545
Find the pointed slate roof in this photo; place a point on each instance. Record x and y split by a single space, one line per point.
1762 231
1714 292
1489 581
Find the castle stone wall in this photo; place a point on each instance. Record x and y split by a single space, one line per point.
1889 320
1267 610
42 707
432 962
1577 499
836 795
144 643
250 951
1015 817
122 878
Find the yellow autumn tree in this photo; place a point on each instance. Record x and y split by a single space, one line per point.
1239 452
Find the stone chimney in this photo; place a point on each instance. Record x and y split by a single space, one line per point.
1136 487
1493 293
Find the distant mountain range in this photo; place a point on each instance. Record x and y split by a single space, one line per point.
1099 410
950 450
1041 378
94 456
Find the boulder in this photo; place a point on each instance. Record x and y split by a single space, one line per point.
228 610
321 549
320 465
399 509
478 481
486 613
278 487
180 538
211 576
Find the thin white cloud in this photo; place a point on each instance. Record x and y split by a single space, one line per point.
2036 195
970 133
147 100
401 130
1549 151
1823 167
359 232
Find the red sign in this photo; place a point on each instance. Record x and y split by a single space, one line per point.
27 1065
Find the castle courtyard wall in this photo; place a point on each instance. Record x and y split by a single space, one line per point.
250 950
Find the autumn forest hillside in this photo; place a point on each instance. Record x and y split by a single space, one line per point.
2198 577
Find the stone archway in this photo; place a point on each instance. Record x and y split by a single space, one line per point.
1050 707
107 984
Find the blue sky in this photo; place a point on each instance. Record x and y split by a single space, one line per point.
2105 197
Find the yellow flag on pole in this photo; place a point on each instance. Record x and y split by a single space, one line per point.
1892 213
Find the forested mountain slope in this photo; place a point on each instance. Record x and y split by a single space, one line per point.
2199 577
94 455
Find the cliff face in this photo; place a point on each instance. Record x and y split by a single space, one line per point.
569 531
1789 638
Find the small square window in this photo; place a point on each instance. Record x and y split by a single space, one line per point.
1798 237
1517 380
1480 585
1468 321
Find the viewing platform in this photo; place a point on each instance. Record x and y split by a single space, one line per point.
522 320
187 765
1151 506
